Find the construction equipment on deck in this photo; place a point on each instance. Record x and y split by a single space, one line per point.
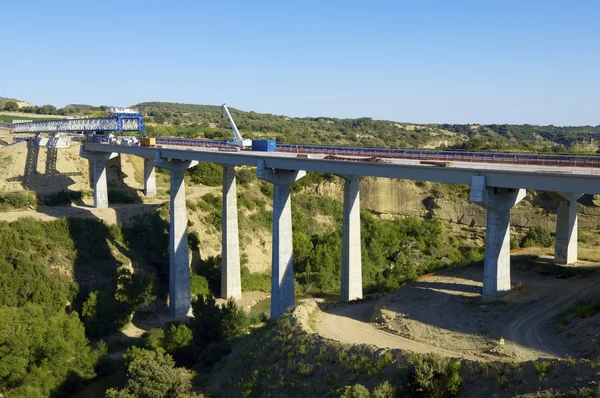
237 141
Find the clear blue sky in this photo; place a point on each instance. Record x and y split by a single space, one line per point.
479 61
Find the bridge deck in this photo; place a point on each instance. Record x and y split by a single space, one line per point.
546 178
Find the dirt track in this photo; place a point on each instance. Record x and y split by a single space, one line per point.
350 324
532 331
526 323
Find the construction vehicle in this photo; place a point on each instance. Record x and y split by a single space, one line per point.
237 141
148 141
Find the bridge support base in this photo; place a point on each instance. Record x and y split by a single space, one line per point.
498 202
179 258
351 288
231 285
149 178
282 268
98 162
565 249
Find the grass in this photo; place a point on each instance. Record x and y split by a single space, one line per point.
588 254
541 368
532 263
583 309
17 200
10 118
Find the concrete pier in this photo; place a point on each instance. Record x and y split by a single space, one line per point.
282 267
351 288
498 202
179 260
231 284
149 178
98 161
565 249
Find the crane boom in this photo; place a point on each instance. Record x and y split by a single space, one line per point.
237 137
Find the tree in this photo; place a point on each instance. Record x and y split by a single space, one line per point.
150 374
176 337
234 320
109 310
206 324
11 106
42 350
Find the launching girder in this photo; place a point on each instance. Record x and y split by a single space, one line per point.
115 123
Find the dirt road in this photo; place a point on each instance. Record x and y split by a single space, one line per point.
532 333
350 324
528 328
114 215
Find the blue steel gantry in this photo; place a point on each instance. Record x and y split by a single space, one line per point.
119 120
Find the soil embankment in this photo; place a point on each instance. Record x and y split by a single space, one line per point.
446 314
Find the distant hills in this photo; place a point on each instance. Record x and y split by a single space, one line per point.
208 121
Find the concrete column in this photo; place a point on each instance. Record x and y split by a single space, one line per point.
149 178
351 288
179 260
98 161
565 249
498 202
231 284
282 267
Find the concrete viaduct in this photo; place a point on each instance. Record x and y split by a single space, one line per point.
496 187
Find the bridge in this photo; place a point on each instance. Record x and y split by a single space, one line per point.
496 186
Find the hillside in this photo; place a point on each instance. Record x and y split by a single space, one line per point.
207 121
409 230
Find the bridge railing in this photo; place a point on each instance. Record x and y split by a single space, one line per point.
574 161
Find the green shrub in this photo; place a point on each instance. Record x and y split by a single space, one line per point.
149 374
514 243
588 308
153 338
354 391
212 323
204 173
234 320
433 375
17 200
61 198
541 368
537 236
122 197
176 337
199 285
245 176
255 281
206 323
383 390
111 309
